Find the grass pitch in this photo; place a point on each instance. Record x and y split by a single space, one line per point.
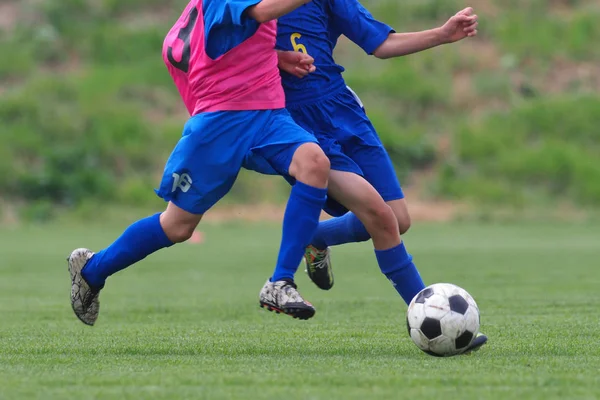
185 323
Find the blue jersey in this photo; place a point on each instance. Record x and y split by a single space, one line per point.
314 28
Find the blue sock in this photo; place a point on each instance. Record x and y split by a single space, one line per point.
141 239
340 230
396 264
300 222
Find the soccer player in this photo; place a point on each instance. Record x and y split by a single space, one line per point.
220 53
362 177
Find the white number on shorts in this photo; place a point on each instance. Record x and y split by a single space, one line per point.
183 182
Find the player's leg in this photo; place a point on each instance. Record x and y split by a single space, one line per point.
189 191
139 240
384 178
310 168
345 117
90 270
348 228
355 193
364 201
380 175
379 171
400 209
290 150
349 127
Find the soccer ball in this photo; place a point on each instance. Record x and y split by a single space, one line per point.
443 320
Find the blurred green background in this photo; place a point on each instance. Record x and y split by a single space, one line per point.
501 128
507 121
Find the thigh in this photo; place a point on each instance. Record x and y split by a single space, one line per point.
341 165
353 191
206 161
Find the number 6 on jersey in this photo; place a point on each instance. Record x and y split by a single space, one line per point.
297 46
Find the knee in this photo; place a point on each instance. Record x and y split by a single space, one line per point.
178 225
401 211
404 223
180 232
382 218
318 165
310 165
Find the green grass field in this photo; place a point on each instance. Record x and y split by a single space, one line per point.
185 323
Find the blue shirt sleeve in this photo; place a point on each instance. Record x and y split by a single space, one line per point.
226 25
355 22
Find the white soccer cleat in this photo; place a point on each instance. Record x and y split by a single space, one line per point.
84 299
283 297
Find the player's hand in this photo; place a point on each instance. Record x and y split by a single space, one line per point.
296 63
460 26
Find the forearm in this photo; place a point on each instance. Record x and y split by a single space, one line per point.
268 10
279 57
401 44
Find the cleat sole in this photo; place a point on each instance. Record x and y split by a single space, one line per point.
297 313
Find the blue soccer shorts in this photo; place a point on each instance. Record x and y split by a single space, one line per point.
348 138
215 145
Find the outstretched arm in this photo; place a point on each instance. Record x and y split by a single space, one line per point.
460 26
268 10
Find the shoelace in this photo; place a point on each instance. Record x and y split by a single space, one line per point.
321 262
290 289
288 283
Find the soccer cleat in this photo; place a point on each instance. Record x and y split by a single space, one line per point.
84 299
477 343
283 297
318 266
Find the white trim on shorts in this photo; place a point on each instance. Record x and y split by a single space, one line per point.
355 97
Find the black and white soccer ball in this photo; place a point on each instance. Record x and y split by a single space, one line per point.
443 320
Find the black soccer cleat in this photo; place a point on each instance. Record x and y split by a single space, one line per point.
477 343
318 267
